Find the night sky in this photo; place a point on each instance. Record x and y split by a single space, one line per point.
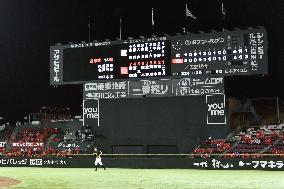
30 27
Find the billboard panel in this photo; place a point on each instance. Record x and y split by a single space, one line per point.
91 112
216 112
153 88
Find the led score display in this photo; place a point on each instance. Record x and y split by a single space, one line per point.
241 52
122 61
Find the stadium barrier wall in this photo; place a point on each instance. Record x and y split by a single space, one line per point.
175 121
272 163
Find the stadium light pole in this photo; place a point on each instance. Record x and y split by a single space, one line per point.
278 113
120 28
89 28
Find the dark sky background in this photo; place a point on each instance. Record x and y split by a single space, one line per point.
29 27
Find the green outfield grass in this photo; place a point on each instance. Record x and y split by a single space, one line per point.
33 178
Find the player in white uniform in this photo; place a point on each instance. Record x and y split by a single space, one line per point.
97 153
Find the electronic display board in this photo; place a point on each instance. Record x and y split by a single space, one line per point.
122 61
238 52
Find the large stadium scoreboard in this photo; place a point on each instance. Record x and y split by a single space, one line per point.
238 52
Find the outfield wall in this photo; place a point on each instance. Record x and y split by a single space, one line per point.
150 163
177 123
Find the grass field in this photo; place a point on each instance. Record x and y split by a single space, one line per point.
33 178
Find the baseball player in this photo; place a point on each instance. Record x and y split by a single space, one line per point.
97 153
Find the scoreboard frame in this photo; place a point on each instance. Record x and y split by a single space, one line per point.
200 46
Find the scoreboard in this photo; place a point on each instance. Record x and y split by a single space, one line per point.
238 52
121 61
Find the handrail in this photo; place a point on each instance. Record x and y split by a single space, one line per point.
255 154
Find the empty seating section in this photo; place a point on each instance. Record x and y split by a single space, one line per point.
56 139
38 141
251 142
209 146
34 134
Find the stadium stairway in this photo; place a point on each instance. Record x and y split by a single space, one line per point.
49 140
234 132
270 146
13 135
229 137
228 150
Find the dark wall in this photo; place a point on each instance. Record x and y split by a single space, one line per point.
145 122
268 163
